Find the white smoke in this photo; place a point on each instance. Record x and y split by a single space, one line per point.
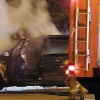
5 28
31 15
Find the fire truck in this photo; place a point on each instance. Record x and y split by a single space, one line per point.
85 42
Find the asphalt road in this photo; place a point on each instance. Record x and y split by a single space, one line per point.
32 96
54 93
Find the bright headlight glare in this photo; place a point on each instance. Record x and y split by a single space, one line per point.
67 71
23 56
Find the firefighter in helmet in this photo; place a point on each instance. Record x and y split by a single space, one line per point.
74 85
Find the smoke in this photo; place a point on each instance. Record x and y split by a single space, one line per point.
5 28
30 15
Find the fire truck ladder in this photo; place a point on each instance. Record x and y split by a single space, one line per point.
79 41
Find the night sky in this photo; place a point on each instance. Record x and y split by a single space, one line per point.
60 12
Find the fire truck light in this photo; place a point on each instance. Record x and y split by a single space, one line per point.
71 67
73 0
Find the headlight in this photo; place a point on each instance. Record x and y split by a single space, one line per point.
67 71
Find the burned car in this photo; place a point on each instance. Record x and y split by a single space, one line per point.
37 63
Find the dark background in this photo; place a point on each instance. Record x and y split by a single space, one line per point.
60 13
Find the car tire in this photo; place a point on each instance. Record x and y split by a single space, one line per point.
1 82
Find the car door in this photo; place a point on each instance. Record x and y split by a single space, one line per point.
16 60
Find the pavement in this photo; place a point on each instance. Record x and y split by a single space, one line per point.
46 92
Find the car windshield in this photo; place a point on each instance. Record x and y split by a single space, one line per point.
57 46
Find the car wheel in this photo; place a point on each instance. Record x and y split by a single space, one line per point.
1 82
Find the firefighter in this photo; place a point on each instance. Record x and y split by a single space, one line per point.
20 34
74 85
3 70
